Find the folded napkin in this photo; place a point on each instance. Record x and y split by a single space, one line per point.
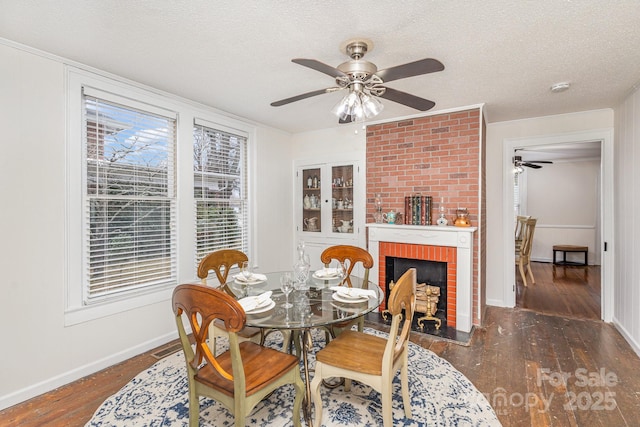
327 272
255 277
251 303
354 292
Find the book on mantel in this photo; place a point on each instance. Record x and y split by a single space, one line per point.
417 210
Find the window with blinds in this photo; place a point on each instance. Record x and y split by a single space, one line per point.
220 190
130 203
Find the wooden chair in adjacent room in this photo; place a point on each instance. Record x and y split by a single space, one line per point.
221 262
240 377
349 256
370 359
520 226
523 256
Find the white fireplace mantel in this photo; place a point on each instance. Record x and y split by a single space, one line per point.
428 235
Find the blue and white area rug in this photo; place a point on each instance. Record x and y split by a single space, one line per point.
440 396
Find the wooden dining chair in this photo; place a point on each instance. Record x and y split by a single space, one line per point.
523 256
240 377
221 262
349 256
521 223
370 359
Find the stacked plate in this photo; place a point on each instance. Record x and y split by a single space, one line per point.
352 295
258 303
326 274
254 279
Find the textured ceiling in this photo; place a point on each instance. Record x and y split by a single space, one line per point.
236 55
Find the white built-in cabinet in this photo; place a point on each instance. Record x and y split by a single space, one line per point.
329 206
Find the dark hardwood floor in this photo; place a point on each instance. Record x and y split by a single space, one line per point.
518 359
561 291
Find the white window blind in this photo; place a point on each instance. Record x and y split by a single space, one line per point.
220 190
130 203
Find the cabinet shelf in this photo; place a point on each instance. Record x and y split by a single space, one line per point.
331 186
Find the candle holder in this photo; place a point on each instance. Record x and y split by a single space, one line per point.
377 202
442 220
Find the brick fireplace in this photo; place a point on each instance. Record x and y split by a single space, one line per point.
441 155
423 253
453 245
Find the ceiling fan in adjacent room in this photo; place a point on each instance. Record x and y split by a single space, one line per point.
534 164
365 83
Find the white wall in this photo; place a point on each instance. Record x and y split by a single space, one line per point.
498 290
564 197
627 230
39 353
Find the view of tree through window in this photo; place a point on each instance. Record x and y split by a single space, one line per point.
220 190
130 198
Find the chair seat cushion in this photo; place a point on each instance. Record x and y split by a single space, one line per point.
263 365
369 349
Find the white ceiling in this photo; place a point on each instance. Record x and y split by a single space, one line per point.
236 55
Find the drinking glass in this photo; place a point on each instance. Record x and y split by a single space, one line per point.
340 270
286 285
245 269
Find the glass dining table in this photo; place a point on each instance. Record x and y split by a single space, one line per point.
318 305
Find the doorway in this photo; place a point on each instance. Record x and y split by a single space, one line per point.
605 208
559 186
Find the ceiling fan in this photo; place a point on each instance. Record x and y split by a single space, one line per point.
366 83
534 164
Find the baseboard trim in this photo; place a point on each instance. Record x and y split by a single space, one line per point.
67 377
497 303
627 336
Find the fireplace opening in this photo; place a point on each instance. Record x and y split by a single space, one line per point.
433 273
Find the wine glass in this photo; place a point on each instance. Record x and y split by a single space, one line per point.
286 285
245 269
340 271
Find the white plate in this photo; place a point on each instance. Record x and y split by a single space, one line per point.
322 275
348 300
254 279
262 309
250 282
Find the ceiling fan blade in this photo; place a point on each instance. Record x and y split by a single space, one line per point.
416 68
319 66
407 99
548 162
530 165
304 96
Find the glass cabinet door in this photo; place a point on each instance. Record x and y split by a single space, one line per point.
311 200
342 198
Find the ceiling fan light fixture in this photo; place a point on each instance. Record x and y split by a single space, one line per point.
371 105
357 105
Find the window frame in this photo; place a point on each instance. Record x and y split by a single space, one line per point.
76 311
244 196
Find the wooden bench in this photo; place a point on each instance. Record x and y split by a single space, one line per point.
569 248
